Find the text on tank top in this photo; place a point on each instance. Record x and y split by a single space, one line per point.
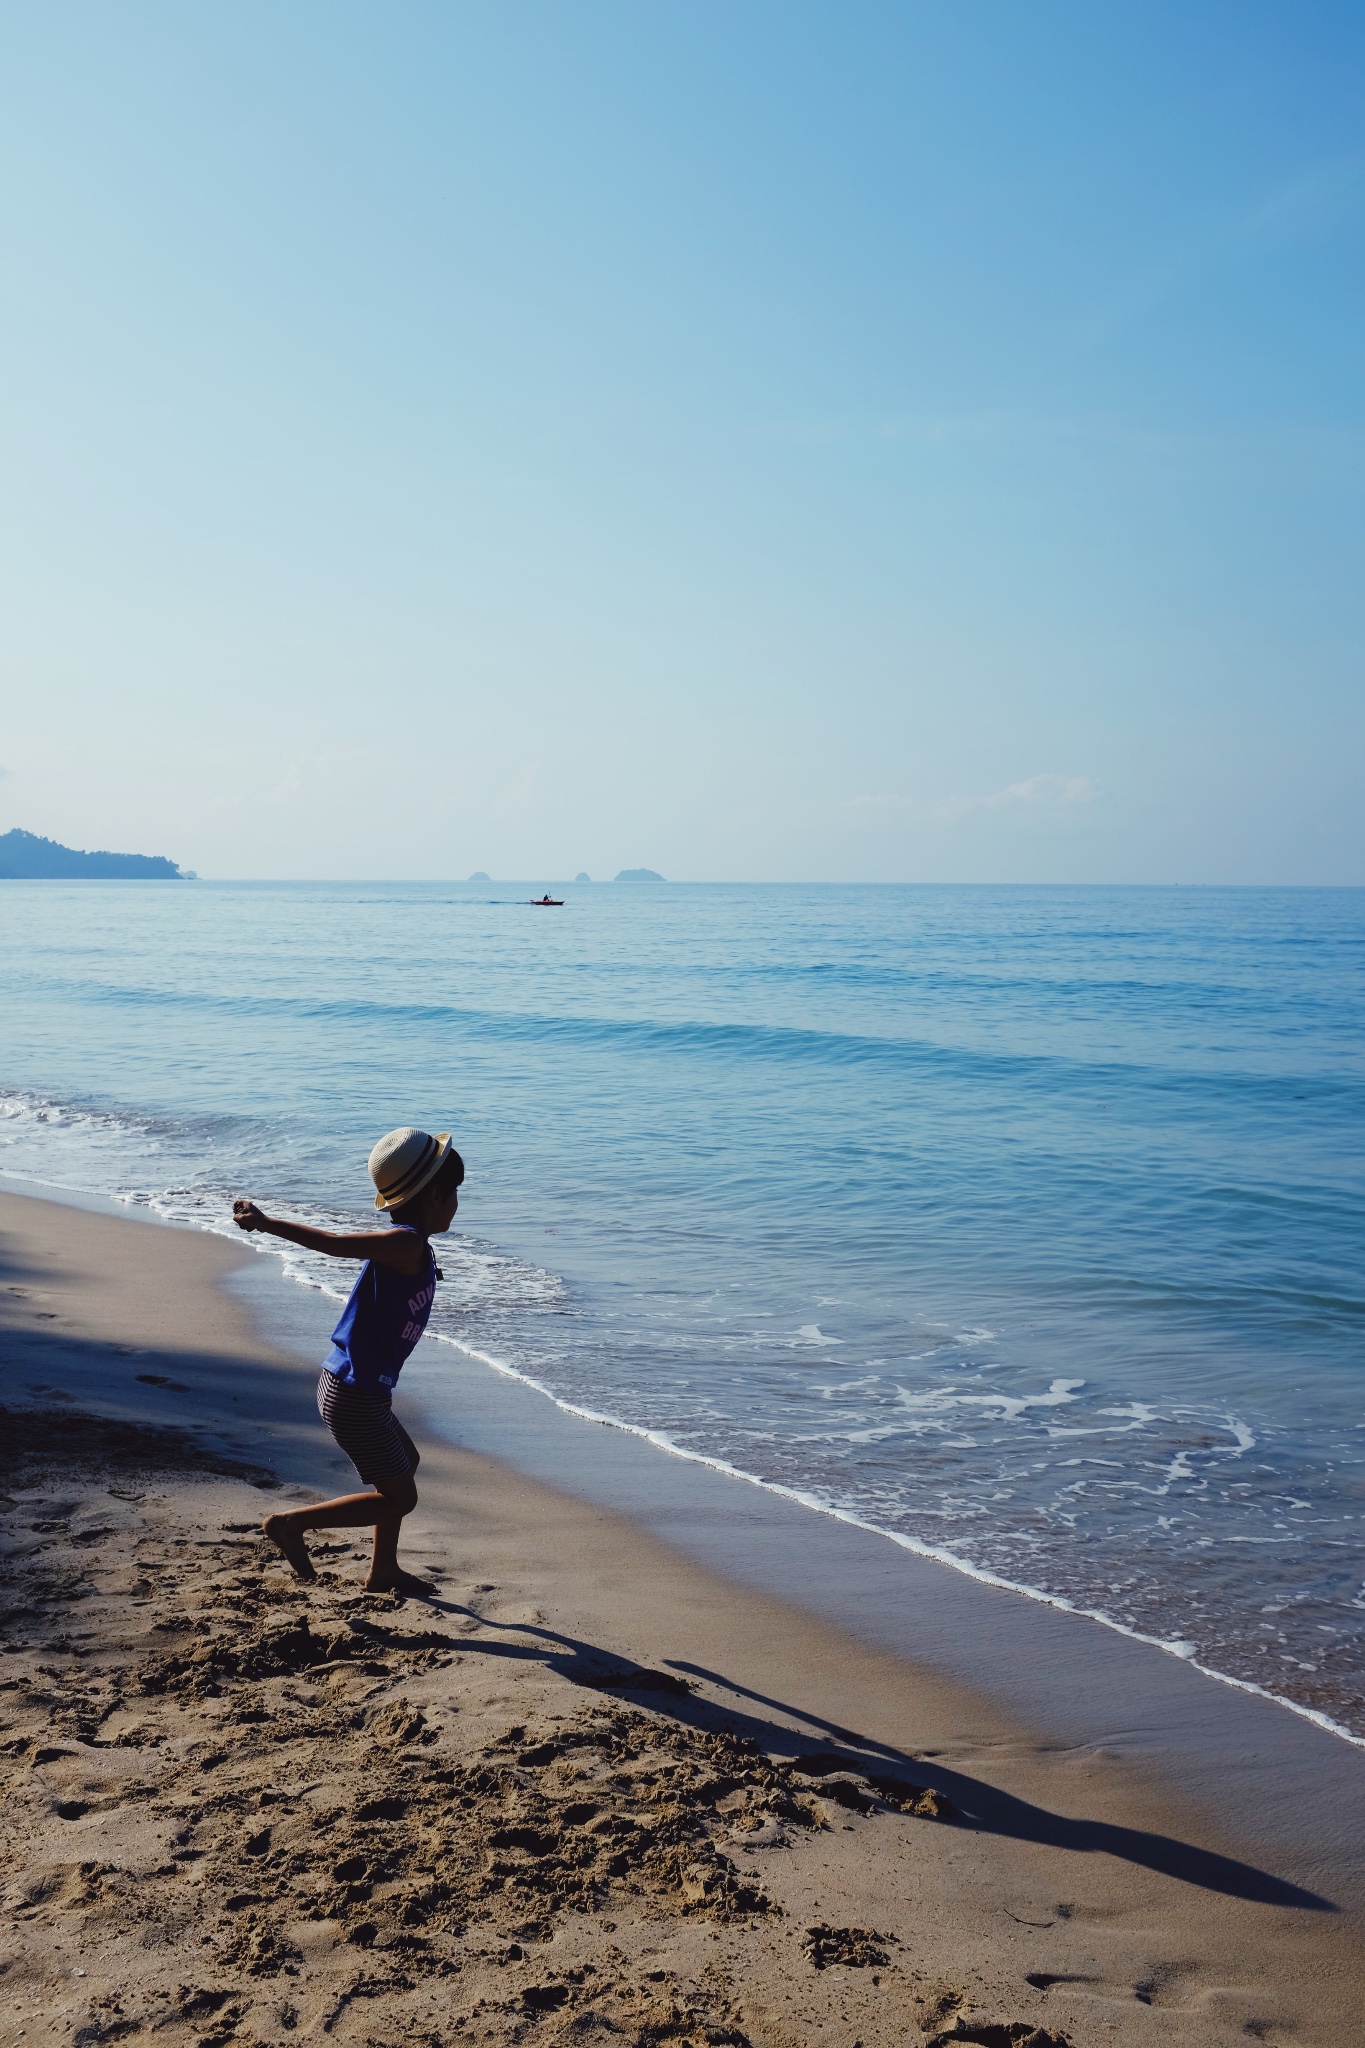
381 1323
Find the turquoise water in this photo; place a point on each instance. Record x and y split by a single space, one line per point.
1023 1224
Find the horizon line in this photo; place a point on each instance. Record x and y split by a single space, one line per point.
609 882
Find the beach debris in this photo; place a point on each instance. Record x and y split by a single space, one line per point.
848 1948
922 1801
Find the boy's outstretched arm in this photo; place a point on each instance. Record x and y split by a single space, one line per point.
390 1247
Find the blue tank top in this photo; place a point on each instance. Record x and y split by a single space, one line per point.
381 1323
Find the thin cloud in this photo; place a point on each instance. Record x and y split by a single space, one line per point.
1036 792
1033 796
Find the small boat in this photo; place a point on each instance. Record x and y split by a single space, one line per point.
547 903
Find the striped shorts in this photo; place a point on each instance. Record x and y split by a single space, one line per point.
365 1427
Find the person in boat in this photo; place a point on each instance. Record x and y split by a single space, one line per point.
417 1179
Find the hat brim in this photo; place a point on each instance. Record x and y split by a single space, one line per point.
434 1166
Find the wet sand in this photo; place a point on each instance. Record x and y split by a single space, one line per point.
589 1787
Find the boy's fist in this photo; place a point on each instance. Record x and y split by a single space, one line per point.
246 1215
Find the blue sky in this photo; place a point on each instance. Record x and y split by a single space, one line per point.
759 441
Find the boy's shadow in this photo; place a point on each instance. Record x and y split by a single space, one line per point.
832 1748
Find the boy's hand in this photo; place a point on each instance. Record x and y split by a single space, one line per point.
246 1215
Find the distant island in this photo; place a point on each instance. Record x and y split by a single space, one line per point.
638 875
581 877
25 857
478 876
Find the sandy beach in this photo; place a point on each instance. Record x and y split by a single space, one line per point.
588 1788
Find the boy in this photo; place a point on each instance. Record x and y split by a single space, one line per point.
417 1178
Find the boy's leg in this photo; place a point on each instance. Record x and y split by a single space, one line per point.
385 1508
386 1575
288 1539
384 1568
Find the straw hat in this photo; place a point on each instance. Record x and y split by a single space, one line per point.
403 1162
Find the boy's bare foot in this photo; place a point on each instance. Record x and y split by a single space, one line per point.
398 1581
289 1542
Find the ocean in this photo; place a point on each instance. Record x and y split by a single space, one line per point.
1023 1225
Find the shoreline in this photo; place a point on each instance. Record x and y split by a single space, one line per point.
659 1441
1263 1776
310 1335
1167 1931
1263 1771
1123 1691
